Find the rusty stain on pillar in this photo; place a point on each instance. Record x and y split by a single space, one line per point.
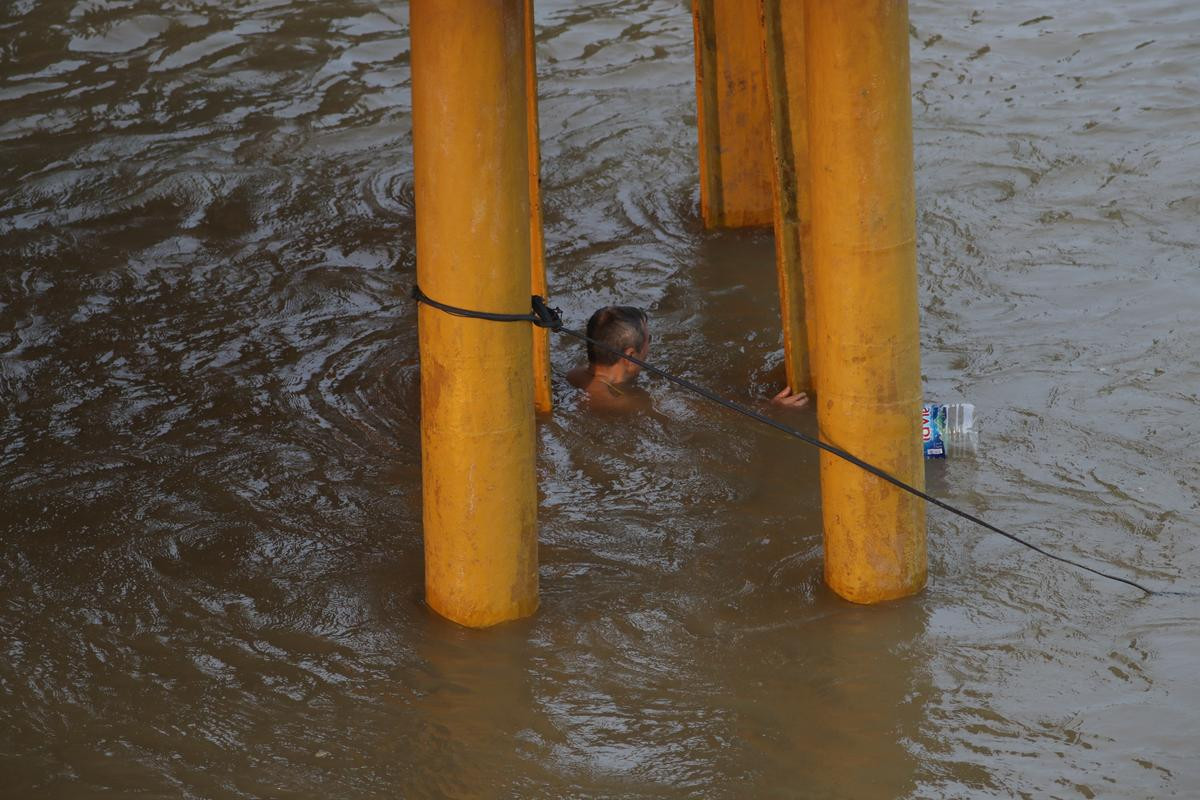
784 68
471 150
865 293
732 116
542 399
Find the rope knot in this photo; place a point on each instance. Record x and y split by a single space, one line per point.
546 316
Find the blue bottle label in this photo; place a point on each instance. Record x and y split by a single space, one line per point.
933 429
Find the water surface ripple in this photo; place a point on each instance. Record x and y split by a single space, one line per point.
210 561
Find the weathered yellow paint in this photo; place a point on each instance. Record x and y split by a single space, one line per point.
865 291
732 116
541 337
473 250
784 68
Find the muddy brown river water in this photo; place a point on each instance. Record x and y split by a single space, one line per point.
210 545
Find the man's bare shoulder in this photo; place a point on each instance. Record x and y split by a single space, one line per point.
622 400
605 396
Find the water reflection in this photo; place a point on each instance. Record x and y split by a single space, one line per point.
478 730
835 711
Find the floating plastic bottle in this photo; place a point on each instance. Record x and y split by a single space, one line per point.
948 429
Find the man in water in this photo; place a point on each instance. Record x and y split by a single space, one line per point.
610 381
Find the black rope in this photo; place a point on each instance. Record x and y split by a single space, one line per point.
545 317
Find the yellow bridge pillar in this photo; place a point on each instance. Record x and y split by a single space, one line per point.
865 292
471 157
537 257
731 106
787 99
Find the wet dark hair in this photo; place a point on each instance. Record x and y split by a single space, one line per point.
618 327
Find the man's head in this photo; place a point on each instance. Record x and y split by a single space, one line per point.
625 329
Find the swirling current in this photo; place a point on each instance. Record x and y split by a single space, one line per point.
210 540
